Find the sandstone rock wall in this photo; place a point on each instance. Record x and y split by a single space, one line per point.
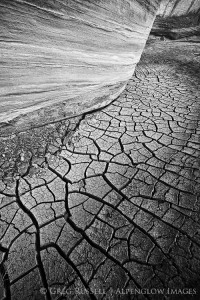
178 19
70 55
178 7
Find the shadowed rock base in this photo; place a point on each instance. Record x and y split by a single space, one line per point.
176 27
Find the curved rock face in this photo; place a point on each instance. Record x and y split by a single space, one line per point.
70 55
178 7
178 19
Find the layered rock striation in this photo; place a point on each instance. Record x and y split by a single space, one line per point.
178 7
61 58
178 19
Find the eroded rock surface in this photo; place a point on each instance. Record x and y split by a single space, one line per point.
71 55
116 205
178 7
177 19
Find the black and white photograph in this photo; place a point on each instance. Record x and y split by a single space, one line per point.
100 149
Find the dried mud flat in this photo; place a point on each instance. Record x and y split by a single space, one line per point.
106 206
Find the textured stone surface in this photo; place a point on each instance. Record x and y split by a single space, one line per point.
178 7
177 19
110 201
70 54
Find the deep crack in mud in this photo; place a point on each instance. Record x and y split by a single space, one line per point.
116 204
